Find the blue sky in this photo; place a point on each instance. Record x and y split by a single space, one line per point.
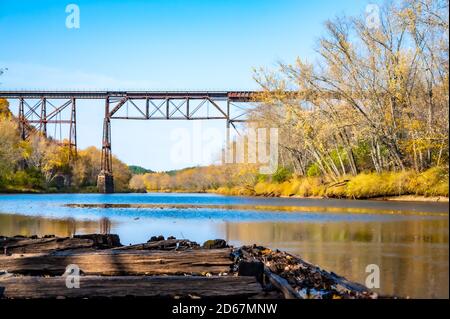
152 45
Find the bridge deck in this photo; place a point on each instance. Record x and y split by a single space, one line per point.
230 95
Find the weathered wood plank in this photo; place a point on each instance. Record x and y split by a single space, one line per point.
116 262
281 284
39 245
168 244
135 286
26 245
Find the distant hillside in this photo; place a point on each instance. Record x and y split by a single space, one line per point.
138 170
176 171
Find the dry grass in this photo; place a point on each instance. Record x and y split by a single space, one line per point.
433 182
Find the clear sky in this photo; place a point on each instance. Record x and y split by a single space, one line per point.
154 45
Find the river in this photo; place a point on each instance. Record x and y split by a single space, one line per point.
407 240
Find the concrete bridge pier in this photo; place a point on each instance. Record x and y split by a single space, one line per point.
105 183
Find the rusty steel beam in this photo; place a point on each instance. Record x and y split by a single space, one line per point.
73 130
36 117
22 119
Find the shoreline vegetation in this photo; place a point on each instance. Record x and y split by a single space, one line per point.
430 185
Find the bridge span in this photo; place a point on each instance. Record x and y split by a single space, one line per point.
39 109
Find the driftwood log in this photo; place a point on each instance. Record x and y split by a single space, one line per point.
131 286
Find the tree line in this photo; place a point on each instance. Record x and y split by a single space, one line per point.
376 98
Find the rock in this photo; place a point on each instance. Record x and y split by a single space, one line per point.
102 241
171 237
156 238
215 244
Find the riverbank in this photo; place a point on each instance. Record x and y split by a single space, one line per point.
161 268
400 198
428 186
412 198
63 190
431 185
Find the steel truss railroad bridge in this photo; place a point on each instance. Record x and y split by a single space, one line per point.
37 110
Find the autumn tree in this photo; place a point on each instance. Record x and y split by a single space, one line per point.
376 95
10 152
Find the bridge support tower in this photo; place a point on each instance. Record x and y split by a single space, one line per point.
105 180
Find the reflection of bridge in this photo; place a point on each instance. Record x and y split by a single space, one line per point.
37 110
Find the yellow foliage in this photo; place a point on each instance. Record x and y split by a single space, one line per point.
87 167
433 182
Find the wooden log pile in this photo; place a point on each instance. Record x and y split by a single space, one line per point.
296 278
32 267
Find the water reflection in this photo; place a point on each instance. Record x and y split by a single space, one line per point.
104 225
11 225
412 254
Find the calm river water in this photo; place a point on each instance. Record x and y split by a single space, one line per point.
407 240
